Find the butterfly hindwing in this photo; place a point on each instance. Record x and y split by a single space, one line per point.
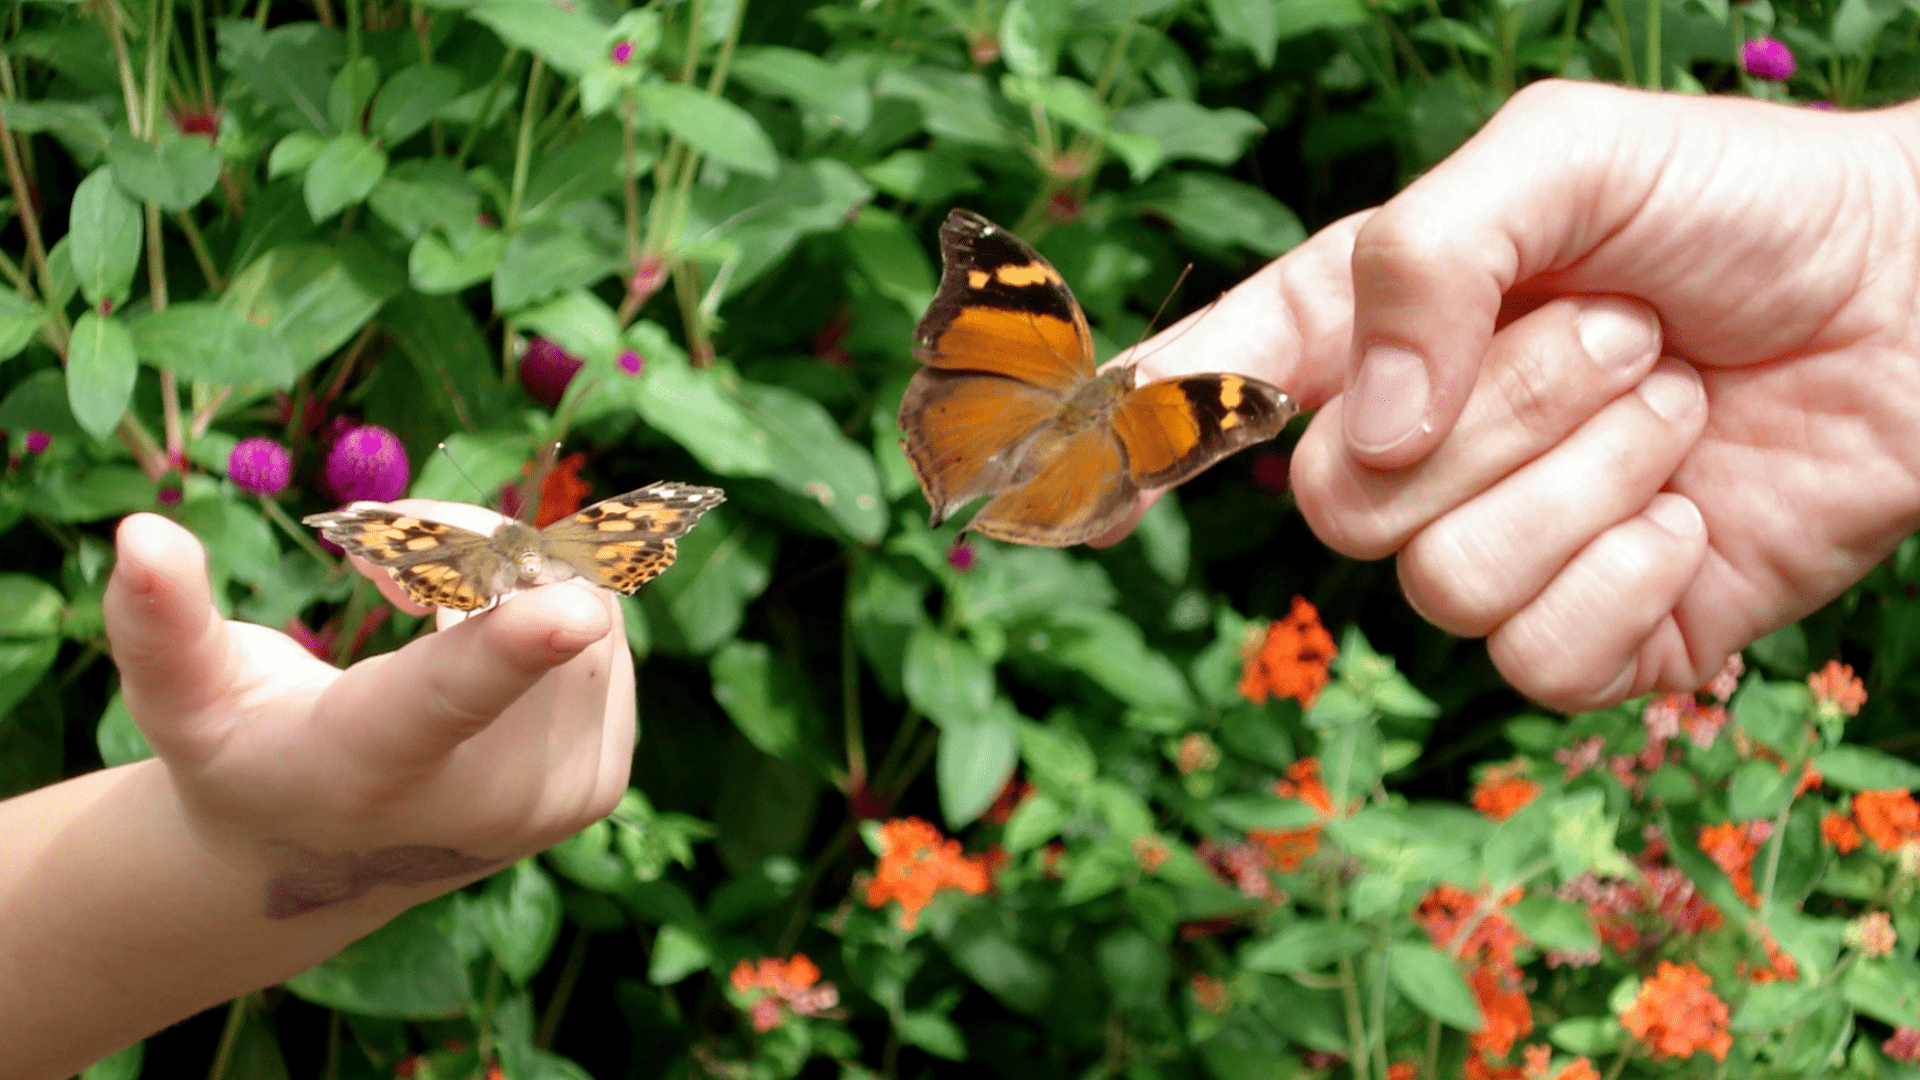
1174 428
964 433
1081 492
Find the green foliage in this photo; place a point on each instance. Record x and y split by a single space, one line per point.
271 220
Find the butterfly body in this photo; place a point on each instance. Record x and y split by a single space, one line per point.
620 544
1010 403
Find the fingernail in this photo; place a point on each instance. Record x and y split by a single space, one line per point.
1676 514
1616 333
1388 399
1623 682
1670 391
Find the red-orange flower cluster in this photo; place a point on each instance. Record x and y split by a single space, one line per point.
1732 845
1839 831
1677 1014
1211 994
1291 659
777 985
916 862
1503 791
1290 847
1889 818
1474 930
1835 685
1539 1062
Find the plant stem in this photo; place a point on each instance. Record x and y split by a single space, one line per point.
300 535
229 1036
523 146
1775 842
563 988
157 42
1433 1048
850 687
1357 1055
1619 1063
30 225
482 118
1618 10
216 283
630 185
1653 44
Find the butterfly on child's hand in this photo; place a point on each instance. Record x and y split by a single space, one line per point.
620 544
1010 405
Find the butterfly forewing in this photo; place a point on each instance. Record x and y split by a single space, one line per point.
1174 428
1002 309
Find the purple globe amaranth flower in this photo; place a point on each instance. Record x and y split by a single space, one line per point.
1767 58
169 495
631 362
623 52
546 370
367 463
960 557
261 466
38 441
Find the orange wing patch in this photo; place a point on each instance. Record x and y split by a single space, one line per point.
437 584
1082 492
958 428
1158 426
1042 350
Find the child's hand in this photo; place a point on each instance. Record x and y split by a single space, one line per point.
397 779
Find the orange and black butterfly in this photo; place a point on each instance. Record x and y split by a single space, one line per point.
1009 404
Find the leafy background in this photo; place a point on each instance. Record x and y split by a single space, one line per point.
257 220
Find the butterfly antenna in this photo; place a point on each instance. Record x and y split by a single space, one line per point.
1161 310
1198 316
463 473
530 488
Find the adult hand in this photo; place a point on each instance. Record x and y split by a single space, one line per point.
1482 351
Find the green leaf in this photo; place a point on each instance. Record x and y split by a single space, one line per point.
1061 761
20 319
343 174
351 90
946 678
1862 768
1183 129
975 761
408 969
1588 1035
1243 812
566 37
812 459
22 665
101 492
1773 1006
288 68
1299 17
29 607
933 1033
957 106
766 697
1095 873
1555 924
712 125
1773 712
410 100
1223 213
1035 821
689 407
124 1065
103 234
1031 34
118 738
1165 540
434 266
101 367
1433 983
294 153
174 173
1305 946
1759 790
1252 23
545 258
677 953
520 915
579 171
417 196
1857 22
1583 838
1887 989
1136 969
830 96
200 339
891 257
1110 649
312 296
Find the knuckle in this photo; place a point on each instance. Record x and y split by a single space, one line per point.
1443 578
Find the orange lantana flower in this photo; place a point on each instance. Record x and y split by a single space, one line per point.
1150 852
1211 994
1502 792
1539 1065
1840 831
1779 967
1303 783
1403 1070
915 863
1291 659
1889 818
1732 845
562 490
1677 1014
775 985
1291 847
1503 1004
1835 685
1448 908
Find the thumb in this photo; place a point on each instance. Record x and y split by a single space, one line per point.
167 640
1549 178
411 708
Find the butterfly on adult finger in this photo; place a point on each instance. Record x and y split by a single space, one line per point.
620 544
1010 404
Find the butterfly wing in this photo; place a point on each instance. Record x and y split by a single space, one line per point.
1082 491
1174 428
1002 310
966 435
626 541
439 565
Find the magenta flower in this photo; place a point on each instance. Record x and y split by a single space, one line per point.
261 466
631 362
38 441
960 557
546 370
1767 58
367 463
169 496
623 52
